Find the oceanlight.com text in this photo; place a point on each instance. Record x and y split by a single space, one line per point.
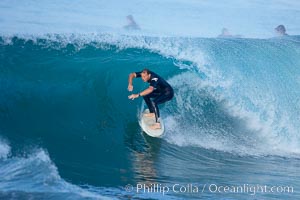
192 188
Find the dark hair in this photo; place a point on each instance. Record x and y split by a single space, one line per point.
147 71
280 28
130 17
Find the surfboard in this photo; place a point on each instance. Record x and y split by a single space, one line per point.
146 122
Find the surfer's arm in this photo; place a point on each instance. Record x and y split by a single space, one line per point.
147 91
143 93
131 76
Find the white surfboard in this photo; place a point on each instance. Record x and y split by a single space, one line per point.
146 122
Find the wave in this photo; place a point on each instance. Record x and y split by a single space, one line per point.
34 175
243 97
4 149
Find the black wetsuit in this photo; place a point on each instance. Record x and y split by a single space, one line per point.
162 92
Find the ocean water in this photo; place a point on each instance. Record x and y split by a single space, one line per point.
68 130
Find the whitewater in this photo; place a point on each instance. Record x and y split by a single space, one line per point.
68 130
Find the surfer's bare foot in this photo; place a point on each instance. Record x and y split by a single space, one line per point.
149 115
155 126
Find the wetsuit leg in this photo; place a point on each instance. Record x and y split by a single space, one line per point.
167 96
149 102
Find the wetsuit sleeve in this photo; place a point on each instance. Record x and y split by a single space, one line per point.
138 74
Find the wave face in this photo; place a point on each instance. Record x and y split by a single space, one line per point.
255 81
245 89
234 98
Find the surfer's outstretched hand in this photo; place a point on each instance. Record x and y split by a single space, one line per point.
133 96
130 88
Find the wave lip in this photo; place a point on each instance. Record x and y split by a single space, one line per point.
4 149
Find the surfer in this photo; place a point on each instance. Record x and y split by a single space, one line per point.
132 25
226 34
280 30
158 92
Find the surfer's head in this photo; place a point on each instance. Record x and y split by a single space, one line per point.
280 30
145 75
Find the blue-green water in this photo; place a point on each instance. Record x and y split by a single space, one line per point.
68 130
